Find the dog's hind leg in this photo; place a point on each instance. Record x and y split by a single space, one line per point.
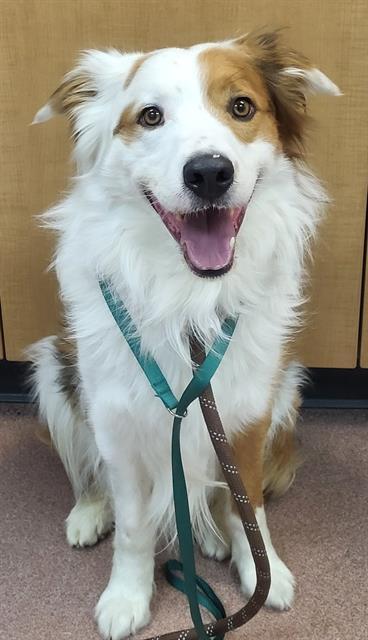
248 451
267 460
281 456
55 385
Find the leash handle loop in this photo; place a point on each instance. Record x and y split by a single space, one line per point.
206 596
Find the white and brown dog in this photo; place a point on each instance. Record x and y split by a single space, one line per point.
193 198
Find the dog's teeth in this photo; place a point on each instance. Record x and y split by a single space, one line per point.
232 242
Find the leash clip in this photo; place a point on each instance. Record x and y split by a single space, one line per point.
176 415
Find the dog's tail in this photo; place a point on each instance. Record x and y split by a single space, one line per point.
55 388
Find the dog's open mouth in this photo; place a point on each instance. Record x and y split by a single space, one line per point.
207 236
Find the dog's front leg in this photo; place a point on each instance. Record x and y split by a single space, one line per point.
123 607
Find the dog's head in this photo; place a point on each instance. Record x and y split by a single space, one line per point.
189 133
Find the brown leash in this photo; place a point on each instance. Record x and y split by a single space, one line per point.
246 513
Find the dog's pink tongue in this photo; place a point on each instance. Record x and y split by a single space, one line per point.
206 237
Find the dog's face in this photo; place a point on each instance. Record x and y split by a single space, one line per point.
192 131
199 129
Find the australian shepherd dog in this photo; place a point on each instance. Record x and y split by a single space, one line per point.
192 197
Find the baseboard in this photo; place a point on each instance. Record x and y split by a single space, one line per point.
340 388
327 388
13 381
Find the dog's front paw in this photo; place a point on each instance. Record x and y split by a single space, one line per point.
119 614
281 592
88 521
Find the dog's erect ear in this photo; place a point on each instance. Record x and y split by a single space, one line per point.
91 96
290 78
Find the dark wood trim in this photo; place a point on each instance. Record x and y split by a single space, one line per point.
340 388
13 381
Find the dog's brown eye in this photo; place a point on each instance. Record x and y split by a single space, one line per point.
151 117
243 108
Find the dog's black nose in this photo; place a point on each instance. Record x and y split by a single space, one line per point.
209 176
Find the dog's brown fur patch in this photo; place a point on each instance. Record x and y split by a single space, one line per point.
228 75
128 127
268 466
76 90
282 457
267 52
248 449
135 68
254 66
68 380
72 93
281 462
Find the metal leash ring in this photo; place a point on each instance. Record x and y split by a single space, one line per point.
176 415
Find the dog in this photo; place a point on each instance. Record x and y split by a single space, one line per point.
193 198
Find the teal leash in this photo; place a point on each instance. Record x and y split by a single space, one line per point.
196 589
206 596
150 367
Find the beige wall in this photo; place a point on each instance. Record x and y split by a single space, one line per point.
39 40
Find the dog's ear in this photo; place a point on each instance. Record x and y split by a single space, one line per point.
90 96
76 90
290 78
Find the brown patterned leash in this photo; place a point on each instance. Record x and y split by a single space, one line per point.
246 512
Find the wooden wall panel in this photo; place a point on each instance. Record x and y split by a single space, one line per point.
364 341
39 40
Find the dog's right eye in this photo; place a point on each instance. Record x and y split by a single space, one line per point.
151 117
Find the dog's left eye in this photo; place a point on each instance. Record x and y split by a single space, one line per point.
242 108
151 117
